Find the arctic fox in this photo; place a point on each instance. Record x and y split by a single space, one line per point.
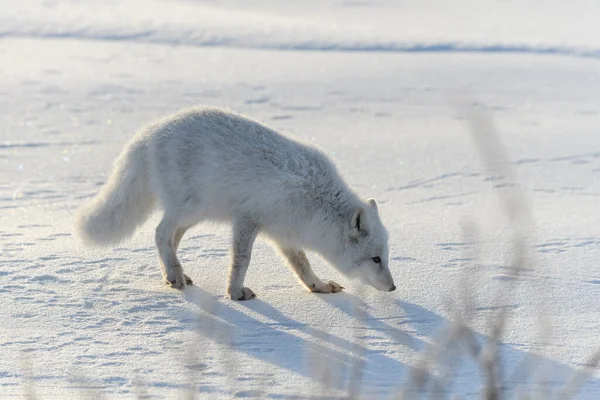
209 164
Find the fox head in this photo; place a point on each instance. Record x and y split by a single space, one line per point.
364 253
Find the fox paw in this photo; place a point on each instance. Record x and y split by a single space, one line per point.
241 294
179 282
329 287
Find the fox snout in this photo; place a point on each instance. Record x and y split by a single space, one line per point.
388 280
381 280
384 287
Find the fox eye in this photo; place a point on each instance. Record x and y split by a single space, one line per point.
376 260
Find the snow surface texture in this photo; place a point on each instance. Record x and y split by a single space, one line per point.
77 79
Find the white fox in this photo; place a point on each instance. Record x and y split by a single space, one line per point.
208 164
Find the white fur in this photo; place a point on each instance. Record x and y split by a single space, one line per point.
208 164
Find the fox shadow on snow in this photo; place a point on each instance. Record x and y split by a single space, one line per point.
261 340
378 371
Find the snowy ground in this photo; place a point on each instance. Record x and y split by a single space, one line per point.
77 79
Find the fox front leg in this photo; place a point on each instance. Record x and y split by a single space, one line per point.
302 269
244 233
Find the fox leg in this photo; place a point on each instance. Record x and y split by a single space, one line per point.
166 233
302 269
244 233
178 235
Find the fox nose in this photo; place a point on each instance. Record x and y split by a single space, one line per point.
392 288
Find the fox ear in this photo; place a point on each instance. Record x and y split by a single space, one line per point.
373 204
359 222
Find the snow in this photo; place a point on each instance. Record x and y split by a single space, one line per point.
383 25
378 86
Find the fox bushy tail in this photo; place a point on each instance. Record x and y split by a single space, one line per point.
124 202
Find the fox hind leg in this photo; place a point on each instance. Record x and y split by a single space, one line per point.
167 239
302 269
178 235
